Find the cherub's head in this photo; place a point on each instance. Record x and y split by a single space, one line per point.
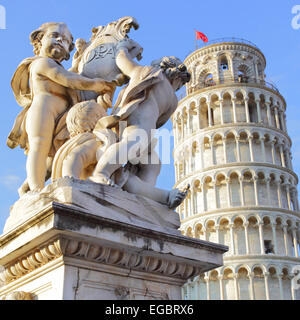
83 117
53 40
175 71
80 45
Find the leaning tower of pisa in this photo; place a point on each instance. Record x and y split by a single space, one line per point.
232 147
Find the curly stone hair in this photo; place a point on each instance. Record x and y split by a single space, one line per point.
37 35
83 117
173 68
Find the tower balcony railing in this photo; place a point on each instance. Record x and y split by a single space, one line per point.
225 81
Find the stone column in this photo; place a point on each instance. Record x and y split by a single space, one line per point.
220 278
295 242
238 151
189 122
282 155
246 225
273 152
210 124
182 127
268 104
263 151
252 293
285 235
225 150
287 188
199 117
255 181
186 212
258 110
236 289
234 110
281 115
228 192
231 225
273 225
250 138
268 191
212 152
278 184
242 191
277 118
222 111
247 110
215 193
201 148
261 237
266 276
192 201
203 197
280 286
206 279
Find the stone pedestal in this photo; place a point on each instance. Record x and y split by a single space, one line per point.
80 240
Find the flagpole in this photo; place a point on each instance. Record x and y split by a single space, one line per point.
196 39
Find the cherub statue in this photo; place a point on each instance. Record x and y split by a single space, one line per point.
78 156
46 90
146 104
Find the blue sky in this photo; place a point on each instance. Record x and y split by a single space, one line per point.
166 28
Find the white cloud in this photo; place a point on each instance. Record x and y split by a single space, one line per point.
10 181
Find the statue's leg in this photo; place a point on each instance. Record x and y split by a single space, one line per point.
135 185
150 171
80 158
133 143
39 128
25 186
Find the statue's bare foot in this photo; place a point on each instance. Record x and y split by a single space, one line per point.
176 197
103 179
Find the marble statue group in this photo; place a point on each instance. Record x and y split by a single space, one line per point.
64 126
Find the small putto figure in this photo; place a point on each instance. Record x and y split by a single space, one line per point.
46 91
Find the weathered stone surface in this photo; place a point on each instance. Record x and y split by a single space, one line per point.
103 200
99 251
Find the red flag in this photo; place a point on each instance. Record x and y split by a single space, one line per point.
201 36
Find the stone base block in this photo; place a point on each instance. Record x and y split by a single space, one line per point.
61 251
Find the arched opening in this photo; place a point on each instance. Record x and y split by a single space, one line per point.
262 190
240 107
268 236
253 234
227 108
209 194
231 150
218 150
228 282
235 190
224 234
239 236
244 147
221 191
252 108
243 284
259 284
248 187
207 152
203 114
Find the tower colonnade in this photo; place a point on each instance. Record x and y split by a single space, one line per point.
233 149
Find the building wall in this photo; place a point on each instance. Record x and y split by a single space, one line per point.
233 149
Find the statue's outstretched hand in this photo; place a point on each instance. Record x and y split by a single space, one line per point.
104 86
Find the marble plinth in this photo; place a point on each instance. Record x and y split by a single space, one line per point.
80 240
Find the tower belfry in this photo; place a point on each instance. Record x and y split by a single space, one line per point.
232 147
